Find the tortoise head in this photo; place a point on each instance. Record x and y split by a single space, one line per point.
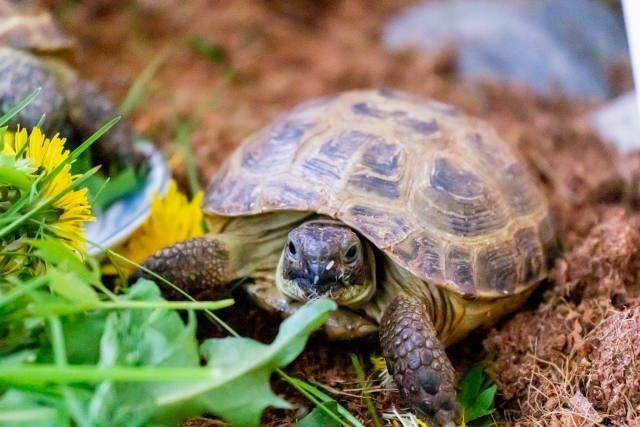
327 258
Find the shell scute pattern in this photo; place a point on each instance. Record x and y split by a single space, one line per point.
379 225
283 195
423 253
424 127
343 146
381 157
496 268
509 176
458 201
441 194
459 271
321 169
548 239
274 152
457 182
389 189
529 246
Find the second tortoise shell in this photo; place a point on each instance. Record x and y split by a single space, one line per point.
440 193
28 27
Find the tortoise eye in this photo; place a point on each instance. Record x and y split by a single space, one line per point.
292 250
351 253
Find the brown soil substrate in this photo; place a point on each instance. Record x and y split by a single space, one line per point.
569 357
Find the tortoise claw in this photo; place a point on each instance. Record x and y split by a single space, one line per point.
417 360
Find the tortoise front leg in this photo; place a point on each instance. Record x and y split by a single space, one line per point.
417 360
201 266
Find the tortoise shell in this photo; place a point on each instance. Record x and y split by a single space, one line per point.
440 193
25 27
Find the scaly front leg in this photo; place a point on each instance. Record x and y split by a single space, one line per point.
417 360
201 266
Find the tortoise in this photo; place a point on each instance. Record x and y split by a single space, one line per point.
35 53
420 222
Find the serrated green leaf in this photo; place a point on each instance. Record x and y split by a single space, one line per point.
320 417
238 388
295 330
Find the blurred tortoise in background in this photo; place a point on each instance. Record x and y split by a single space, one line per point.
405 212
34 54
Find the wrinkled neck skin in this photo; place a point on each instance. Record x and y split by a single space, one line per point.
453 315
395 280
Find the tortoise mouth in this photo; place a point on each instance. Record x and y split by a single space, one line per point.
347 294
344 295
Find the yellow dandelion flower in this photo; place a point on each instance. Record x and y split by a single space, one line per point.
380 365
161 228
73 207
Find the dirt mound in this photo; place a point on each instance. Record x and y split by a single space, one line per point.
582 340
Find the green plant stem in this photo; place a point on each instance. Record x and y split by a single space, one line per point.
60 361
170 305
365 390
24 415
184 129
65 310
22 290
136 92
311 393
15 110
73 374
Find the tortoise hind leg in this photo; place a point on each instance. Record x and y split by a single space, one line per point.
202 267
417 361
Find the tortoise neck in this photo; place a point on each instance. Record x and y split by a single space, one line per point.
394 280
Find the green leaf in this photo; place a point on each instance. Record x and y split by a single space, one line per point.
53 251
314 395
320 417
476 395
15 178
72 288
15 110
238 388
18 409
357 366
485 400
119 186
470 386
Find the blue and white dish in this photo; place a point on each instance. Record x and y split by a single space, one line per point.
123 217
